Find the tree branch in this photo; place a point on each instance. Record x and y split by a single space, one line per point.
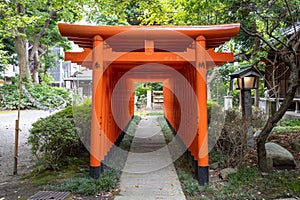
260 37
289 9
287 100
294 44
40 34
293 38
275 38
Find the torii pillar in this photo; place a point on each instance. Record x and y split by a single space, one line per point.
96 139
201 93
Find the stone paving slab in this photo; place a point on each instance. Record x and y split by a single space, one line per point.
149 172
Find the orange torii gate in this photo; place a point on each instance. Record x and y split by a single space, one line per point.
178 56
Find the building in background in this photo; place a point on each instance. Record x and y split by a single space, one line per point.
277 78
10 72
63 69
80 83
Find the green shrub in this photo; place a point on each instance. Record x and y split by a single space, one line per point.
54 138
46 95
9 98
63 134
232 142
49 96
212 107
141 94
82 118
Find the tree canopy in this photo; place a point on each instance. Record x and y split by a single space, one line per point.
35 22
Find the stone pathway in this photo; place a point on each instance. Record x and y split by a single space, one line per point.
149 172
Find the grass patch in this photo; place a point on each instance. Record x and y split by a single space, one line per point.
280 129
150 112
73 166
287 125
290 122
86 185
281 184
126 142
165 129
2 112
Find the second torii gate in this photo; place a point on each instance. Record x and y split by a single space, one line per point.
178 56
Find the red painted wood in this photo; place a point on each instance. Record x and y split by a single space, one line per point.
187 50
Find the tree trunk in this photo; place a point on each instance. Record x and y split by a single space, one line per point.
261 149
34 56
36 64
292 60
289 56
20 44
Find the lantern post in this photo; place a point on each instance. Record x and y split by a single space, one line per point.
247 79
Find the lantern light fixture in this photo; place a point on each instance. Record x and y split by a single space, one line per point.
247 78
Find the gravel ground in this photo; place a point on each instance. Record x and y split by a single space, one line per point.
7 142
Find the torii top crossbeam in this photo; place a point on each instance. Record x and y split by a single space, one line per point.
83 34
161 39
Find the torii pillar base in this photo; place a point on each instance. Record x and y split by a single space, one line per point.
203 175
96 171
